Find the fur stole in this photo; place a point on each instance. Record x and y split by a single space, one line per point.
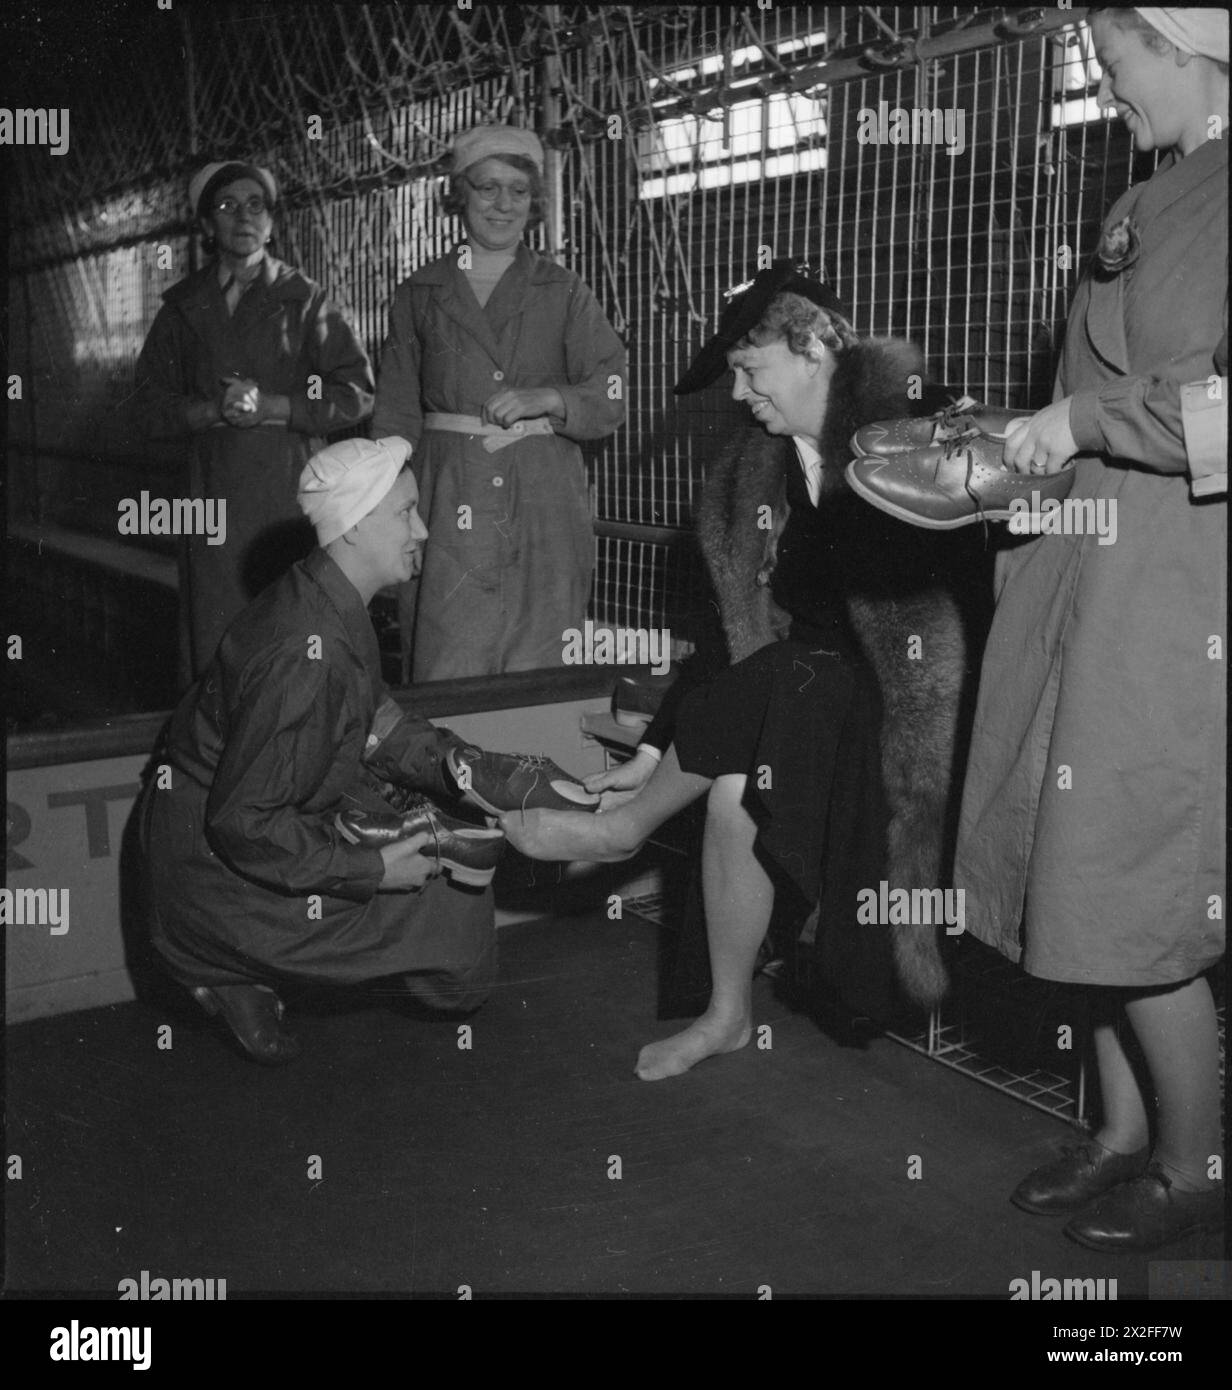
919 602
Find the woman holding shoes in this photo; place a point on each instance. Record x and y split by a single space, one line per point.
1092 838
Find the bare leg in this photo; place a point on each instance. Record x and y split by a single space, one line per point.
609 835
1125 1128
738 897
1180 1039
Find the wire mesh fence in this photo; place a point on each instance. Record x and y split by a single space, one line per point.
685 143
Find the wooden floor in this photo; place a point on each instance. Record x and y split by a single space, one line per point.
493 1167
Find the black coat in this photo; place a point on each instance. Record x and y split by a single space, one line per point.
246 875
873 584
286 335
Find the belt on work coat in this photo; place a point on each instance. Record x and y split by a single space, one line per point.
494 436
261 425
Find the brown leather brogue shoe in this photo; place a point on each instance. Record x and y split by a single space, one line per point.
956 484
965 418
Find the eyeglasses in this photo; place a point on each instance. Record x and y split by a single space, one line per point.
253 206
490 190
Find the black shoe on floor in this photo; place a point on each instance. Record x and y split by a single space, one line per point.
1079 1175
254 1015
1147 1213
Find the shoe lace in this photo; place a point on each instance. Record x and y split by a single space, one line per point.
960 405
531 762
417 801
959 441
957 416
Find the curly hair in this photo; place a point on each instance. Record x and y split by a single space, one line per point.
453 201
799 323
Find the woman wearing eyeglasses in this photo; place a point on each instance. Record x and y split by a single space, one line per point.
497 364
251 362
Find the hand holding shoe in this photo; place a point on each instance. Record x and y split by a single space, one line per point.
469 853
406 870
1044 443
500 782
626 777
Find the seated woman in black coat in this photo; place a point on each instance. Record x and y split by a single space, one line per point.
784 743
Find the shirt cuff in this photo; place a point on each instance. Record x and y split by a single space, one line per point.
571 399
1084 422
365 868
655 753
301 416
1204 419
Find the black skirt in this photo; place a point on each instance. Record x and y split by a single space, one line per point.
801 719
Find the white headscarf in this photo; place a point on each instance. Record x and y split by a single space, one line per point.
492 141
1201 32
341 485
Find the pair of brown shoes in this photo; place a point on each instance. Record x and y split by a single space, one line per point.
1122 1201
947 470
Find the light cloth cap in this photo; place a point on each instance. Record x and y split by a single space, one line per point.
1203 32
341 485
203 178
491 141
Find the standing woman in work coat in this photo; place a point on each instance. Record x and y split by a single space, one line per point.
250 363
1093 813
498 361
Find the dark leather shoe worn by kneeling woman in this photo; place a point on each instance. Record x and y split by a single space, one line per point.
254 1015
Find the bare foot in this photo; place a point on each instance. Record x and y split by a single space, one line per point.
564 835
704 1037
